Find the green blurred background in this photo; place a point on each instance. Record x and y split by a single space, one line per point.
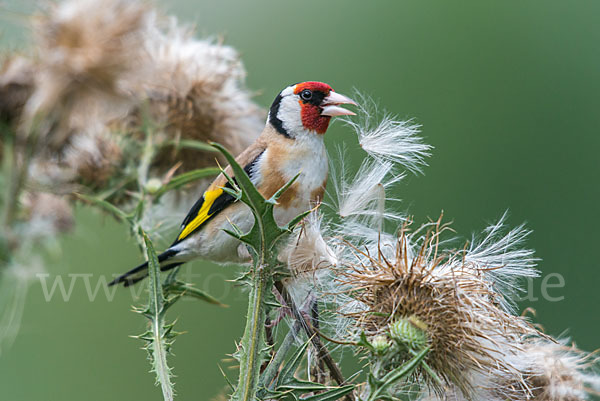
508 92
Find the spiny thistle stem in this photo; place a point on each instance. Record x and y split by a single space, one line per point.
261 239
159 333
253 339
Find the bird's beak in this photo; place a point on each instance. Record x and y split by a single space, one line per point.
331 105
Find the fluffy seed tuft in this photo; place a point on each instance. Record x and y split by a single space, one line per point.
388 139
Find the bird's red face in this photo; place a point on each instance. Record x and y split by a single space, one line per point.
307 106
319 102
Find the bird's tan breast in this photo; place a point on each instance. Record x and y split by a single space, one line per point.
283 160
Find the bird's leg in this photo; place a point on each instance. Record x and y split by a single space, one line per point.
283 311
269 324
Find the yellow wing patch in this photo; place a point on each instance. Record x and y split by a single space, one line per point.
202 216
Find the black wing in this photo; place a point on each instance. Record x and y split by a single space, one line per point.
210 204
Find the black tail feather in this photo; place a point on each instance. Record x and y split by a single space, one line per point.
140 272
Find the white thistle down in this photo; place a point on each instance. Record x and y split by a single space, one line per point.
558 371
502 258
390 143
363 198
308 251
551 371
467 332
388 139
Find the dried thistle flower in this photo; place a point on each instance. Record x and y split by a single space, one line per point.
466 330
560 372
195 90
93 155
113 72
84 52
553 371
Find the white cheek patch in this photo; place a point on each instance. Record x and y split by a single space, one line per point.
289 114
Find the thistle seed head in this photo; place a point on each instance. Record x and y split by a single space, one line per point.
84 54
423 297
93 156
554 371
194 90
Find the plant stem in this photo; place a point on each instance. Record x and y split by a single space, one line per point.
397 374
273 367
17 173
253 339
262 240
324 354
317 370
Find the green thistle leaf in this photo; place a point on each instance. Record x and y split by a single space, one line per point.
159 334
178 289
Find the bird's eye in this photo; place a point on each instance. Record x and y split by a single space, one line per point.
306 94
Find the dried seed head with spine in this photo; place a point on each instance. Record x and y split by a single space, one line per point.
93 155
84 52
194 90
551 370
103 77
466 329
554 371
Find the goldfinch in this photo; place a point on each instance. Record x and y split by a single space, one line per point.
291 143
